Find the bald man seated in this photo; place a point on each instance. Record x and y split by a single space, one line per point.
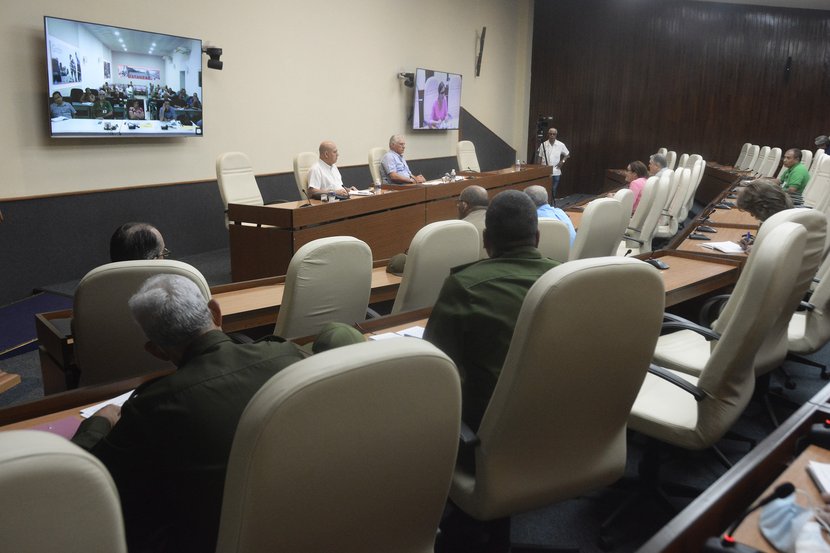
324 177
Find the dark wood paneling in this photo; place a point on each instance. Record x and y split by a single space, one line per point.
622 78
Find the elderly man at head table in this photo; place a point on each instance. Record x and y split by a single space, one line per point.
393 167
167 448
544 210
136 241
324 177
59 108
473 319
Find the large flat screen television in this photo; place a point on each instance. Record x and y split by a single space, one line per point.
107 81
437 101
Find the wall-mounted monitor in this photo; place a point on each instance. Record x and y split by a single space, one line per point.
107 81
437 102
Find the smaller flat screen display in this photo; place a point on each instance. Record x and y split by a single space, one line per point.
437 100
107 81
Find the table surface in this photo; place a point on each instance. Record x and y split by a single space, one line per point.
733 217
724 234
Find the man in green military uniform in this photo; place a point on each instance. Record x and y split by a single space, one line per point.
476 311
795 177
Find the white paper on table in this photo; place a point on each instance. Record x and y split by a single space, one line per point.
366 192
413 331
119 401
725 247
384 336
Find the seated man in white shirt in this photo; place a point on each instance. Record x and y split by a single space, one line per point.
324 177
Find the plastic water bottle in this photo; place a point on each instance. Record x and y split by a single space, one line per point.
452 175
377 186
518 164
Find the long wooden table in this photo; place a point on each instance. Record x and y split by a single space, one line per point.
264 238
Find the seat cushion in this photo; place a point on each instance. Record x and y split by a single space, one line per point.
685 351
666 412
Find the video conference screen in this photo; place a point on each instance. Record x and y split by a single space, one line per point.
437 102
107 81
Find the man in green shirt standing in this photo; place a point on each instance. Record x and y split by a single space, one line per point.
476 311
795 178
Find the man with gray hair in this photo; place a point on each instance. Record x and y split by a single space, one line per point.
393 167
657 164
167 448
544 210
473 319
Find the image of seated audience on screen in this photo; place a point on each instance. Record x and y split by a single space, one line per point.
110 81
437 100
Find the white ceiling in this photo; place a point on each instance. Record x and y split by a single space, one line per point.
138 42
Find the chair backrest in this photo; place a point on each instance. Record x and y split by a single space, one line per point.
646 199
670 221
742 156
351 450
237 184
554 377
774 348
819 185
694 181
769 164
751 157
466 156
728 379
662 151
626 199
652 217
109 344
693 158
762 155
603 223
807 158
671 159
816 331
554 239
328 280
375 157
434 250
302 164
56 497
682 160
816 158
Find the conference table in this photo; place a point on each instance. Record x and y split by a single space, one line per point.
264 238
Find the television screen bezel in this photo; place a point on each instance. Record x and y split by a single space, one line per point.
416 99
198 131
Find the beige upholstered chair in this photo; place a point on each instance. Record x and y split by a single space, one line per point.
351 450
638 238
302 164
434 250
807 158
694 181
751 157
809 330
670 219
671 159
681 161
694 412
603 222
467 159
759 159
109 344
817 193
742 156
662 151
328 280
769 164
554 239
375 157
57 498
693 158
626 199
541 439
237 184
689 352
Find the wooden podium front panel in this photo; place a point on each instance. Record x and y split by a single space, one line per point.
258 252
387 233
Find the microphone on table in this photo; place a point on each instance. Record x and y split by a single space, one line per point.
307 199
727 543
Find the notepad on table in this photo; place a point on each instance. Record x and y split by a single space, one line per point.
820 473
725 247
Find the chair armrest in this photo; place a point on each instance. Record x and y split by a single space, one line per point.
628 238
467 436
673 322
806 306
711 308
681 383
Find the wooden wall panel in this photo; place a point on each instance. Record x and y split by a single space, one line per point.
624 77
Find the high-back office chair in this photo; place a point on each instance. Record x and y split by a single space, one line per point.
109 344
662 151
751 157
742 156
638 239
817 191
809 330
807 158
770 163
693 158
689 352
670 220
759 160
56 497
328 280
695 177
603 222
554 239
541 439
434 250
626 199
671 159
466 156
695 417
302 164
375 157
237 184
351 450
682 160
